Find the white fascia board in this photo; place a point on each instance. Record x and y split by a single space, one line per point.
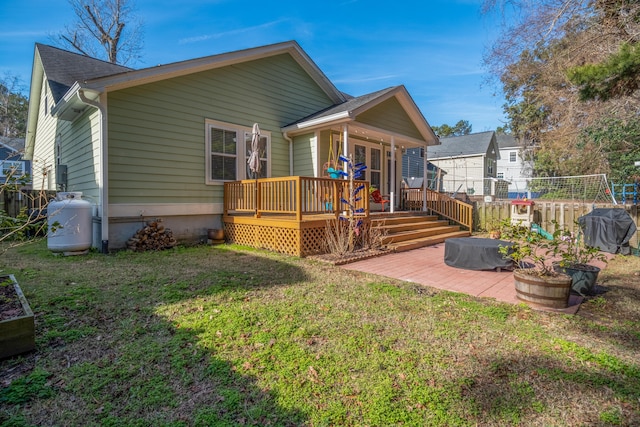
410 107
333 118
37 80
63 104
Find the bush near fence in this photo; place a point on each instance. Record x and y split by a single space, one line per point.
565 213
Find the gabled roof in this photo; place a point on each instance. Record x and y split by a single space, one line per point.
12 144
162 72
348 108
64 68
348 111
68 74
474 144
506 141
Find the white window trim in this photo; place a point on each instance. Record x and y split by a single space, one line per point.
515 156
18 164
370 165
368 147
241 149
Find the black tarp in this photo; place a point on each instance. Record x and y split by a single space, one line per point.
609 230
474 253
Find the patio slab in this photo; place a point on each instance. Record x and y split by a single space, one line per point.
426 266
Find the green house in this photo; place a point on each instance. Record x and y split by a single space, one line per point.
160 142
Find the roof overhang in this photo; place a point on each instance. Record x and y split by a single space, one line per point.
37 78
176 69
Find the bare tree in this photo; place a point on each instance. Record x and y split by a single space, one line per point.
107 29
13 107
541 42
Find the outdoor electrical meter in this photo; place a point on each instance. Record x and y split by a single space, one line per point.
522 212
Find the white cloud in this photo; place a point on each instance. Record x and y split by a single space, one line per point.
204 37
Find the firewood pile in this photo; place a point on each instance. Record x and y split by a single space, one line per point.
153 236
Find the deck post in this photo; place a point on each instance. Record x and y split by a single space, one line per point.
298 182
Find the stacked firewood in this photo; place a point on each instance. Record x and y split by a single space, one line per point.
153 236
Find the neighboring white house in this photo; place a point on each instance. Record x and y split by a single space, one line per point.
11 161
470 163
512 167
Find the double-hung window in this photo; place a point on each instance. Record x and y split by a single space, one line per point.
228 149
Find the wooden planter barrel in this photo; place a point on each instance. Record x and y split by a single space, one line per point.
17 334
543 291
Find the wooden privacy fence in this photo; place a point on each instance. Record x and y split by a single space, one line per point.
13 201
291 195
566 214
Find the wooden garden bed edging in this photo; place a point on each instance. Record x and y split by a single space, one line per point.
17 334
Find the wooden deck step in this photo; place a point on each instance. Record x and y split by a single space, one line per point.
412 226
414 230
426 241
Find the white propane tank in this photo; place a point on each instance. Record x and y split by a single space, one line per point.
69 221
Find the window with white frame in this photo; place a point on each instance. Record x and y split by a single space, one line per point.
512 156
226 144
376 168
11 168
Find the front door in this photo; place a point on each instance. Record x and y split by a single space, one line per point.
370 155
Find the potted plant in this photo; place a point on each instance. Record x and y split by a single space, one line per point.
536 280
17 328
575 256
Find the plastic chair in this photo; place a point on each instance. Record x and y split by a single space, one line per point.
377 197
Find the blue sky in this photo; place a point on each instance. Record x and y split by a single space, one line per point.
433 47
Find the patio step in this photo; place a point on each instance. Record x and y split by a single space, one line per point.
411 231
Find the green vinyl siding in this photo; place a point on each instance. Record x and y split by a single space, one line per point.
305 155
80 151
157 131
389 115
44 148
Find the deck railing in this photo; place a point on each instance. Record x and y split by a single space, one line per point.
439 203
291 195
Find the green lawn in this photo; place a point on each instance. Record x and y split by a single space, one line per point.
229 336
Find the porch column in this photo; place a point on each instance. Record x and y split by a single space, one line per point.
393 175
345 146
425 175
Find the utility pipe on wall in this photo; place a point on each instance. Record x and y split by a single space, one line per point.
103 207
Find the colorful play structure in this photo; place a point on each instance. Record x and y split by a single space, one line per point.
522 214
626 193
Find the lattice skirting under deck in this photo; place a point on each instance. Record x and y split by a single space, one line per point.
291 241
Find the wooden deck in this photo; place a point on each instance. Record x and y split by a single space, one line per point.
291 215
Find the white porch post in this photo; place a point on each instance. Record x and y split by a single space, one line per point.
425 175
393 175
345 145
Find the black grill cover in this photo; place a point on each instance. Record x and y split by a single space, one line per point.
609 230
